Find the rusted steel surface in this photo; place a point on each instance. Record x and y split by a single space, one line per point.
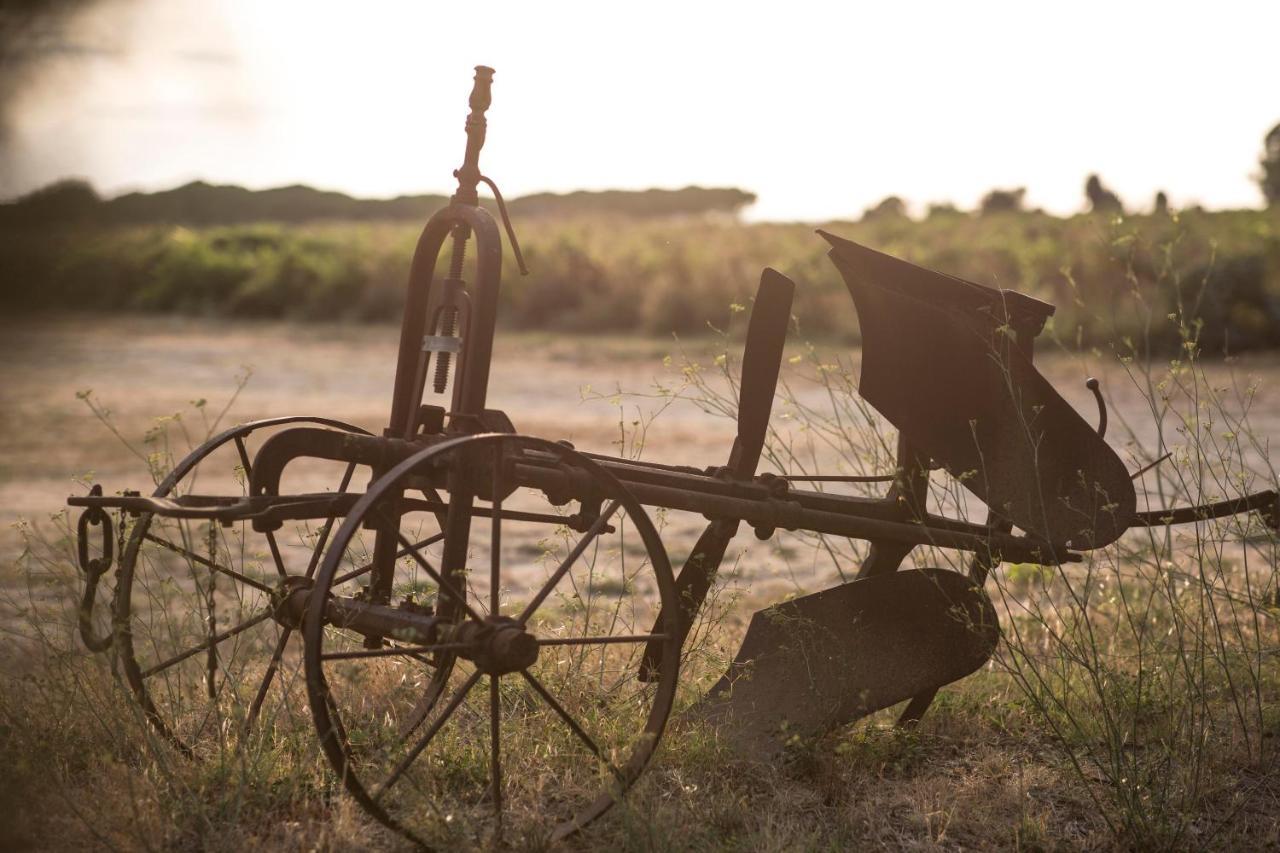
1267 504
939 362
761 361
817 662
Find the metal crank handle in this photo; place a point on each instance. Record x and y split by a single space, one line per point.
469 175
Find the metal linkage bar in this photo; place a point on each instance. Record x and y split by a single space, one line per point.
227 510
1267 504
277 508
763 506
858 520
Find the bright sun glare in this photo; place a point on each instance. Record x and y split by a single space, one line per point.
820 109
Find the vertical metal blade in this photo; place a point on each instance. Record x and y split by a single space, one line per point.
761 360
692 587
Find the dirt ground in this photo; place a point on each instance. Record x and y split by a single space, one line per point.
558 387
146 368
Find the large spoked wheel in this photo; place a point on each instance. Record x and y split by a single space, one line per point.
507 705
194 603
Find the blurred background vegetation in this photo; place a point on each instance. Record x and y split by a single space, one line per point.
655 262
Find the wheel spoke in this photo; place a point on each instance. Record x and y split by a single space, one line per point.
435 576
590 641
248 475
419 658
563 568
571 723
212 641
272 666
328 524
368 567
275 553
391 651
425 740
204 561
244 457
495 756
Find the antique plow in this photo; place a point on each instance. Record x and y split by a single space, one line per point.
459 667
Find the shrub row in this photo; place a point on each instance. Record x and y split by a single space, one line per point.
681 275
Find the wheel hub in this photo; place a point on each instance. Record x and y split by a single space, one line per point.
499 645
289 600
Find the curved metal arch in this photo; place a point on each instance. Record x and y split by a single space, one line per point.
472 379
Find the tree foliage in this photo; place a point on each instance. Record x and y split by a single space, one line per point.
1003 201
203 204
892 206
1269 180
1101 199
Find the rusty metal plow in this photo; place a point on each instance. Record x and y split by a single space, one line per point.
481 647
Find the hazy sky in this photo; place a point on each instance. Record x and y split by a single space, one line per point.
821 109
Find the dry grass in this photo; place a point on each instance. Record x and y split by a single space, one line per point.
981 772
1144 717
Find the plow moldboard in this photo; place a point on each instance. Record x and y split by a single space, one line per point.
826 659
939 364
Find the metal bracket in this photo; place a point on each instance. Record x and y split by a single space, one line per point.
441 343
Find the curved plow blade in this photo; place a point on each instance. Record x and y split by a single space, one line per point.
824 660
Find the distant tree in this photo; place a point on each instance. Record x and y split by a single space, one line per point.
201 203
941 209
1269 180
1101 199
1162 204
1003 201
71 200
889 208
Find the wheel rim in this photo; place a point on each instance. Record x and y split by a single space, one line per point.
161 607
511 745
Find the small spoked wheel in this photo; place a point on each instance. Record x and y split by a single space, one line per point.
195 610
497 694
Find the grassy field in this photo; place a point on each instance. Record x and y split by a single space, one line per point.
1134 702
1116 282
